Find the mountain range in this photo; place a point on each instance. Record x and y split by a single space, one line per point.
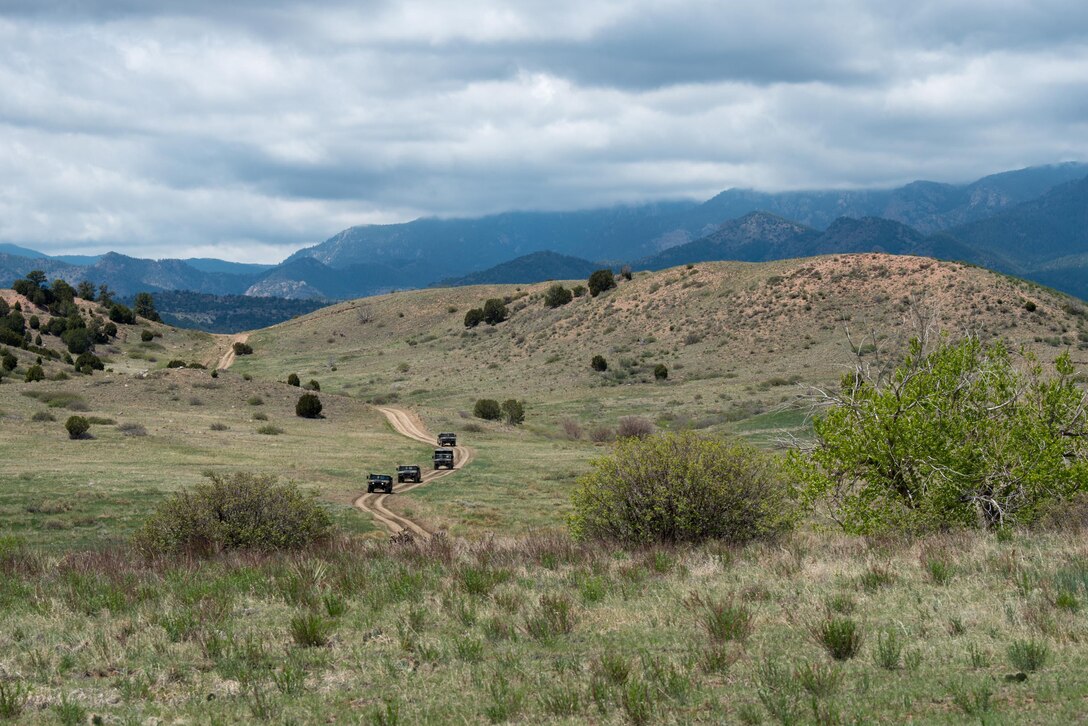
1031 222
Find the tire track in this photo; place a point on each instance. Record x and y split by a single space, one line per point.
408 424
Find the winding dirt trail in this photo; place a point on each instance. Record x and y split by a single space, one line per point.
227 358
408 424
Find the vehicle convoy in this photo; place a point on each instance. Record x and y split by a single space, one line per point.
443 457
379 482
409 473
447 439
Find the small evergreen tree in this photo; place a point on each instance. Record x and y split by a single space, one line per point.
661 371
514 411
78 340
557 296
474 317
121 314
146 336
34 373
85 290
76 426
313 385
487 409
600 281
308 406
292 380
494 311
599 364
241 348
144 306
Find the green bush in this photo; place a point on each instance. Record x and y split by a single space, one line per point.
680 487
313 385
474 317
308 406
121 314
661 371
292 380
578 290
557 296
494 311
239 511
34 373
89 360
8 361
76 426
78 340
599 363
176 364
600 281
146 336
241 348
903 452
487 408
514 411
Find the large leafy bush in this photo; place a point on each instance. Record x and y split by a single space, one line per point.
956 436
681 487
239 511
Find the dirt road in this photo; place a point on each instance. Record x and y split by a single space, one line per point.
227 358
408 424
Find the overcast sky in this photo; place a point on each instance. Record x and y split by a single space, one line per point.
247 129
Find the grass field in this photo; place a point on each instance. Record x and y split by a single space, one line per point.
813 629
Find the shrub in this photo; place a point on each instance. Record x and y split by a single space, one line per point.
313 385
308 406
494 311
176 364
572 429
34 373
256 401
602 434
578 290
557 296
1028 655
241 511
43 416
121 314
661 371
474 317
634 426
89 360
600 281
840 636
78 340
241 348
599 363
901 452
269 430
680 487
292 380
146 336
76 426
488 409
8 361
514 411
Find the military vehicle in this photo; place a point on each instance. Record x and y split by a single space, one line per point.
379 482
443 457
447 439
409 473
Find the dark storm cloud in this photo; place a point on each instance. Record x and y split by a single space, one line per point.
248 128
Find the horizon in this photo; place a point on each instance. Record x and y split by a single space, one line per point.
244 133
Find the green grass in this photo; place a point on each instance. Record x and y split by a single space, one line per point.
500 632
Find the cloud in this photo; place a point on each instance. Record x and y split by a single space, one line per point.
189 126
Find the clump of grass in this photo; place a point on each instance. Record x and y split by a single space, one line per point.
219 426
260 416
13 695
820 680
876 577
310 630
561 702
255 401
723 620
778 692
940 570
555 616
132 429
1028 655
482 580
43 416
974 700
840 636
637 699
841 603
70 713
270 430
613 667
507 700
889 649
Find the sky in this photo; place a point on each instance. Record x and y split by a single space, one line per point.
245 130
